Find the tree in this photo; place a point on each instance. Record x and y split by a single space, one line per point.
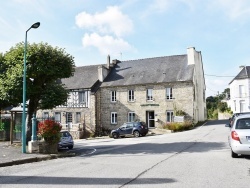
214 103
45 66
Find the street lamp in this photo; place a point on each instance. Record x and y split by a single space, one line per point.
34 26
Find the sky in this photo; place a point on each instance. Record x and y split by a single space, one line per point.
89 30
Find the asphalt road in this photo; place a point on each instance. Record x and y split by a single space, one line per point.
196 158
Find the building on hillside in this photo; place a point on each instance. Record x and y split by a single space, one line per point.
152 90
240 91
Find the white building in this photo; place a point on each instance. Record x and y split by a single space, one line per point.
240 91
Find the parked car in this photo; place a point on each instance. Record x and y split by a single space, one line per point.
239 136
135 129
231 120
66 140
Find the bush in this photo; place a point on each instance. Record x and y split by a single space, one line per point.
1 126
50 131
176 126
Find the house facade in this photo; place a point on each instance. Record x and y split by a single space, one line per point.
78 114
152 90
240 91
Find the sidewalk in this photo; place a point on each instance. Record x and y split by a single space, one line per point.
12 155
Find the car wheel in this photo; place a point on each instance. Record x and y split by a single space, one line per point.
234 155
136 133
115 135
70 147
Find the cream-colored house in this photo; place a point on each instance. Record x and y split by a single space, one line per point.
150 90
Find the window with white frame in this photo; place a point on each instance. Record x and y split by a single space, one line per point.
113 96
45 115
242 106
131 96
113 117
78 117
69 117
241 91
169 93
170 115
149 94
58 116
131 117
81 97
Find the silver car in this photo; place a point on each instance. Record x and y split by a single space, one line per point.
66 140
239 137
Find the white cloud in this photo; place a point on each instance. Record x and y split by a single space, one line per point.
106 44
112 21
235 9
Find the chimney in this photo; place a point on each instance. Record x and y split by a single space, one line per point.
114 61
100 73
108 61
191 55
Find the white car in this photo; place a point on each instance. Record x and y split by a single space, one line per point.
239 137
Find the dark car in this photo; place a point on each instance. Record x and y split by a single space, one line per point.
135 129
66 140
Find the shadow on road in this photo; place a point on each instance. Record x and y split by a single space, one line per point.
217 122
30 180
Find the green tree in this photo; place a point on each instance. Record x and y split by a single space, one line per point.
214 103
46 65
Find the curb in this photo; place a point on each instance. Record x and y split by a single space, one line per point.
36 159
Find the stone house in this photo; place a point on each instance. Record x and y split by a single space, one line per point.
152 90
79 113
240 91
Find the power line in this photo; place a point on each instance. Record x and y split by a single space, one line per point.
217 75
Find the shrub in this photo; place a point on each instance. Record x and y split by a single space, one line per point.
1 126
50 131
177 126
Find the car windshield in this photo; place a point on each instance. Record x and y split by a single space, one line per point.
243 123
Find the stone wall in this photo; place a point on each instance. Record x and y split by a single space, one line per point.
182 100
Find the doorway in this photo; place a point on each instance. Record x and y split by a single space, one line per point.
150 117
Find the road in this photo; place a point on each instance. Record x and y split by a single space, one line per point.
195 158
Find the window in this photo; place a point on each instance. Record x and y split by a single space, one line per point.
131 117
149 94
69 117
113 96
113 118
81 97
45 115
169 94
78 117
131 96
242 106
170 116
58 116
241 91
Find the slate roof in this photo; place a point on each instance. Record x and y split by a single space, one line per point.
150 71
243 74
84 77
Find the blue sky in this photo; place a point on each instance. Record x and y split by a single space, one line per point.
89 30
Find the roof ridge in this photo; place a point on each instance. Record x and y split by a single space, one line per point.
89 65
154 57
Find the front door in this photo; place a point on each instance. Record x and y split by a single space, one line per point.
150 119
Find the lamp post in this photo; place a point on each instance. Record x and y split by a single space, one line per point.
34 26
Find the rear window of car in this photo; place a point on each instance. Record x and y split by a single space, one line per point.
243 123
